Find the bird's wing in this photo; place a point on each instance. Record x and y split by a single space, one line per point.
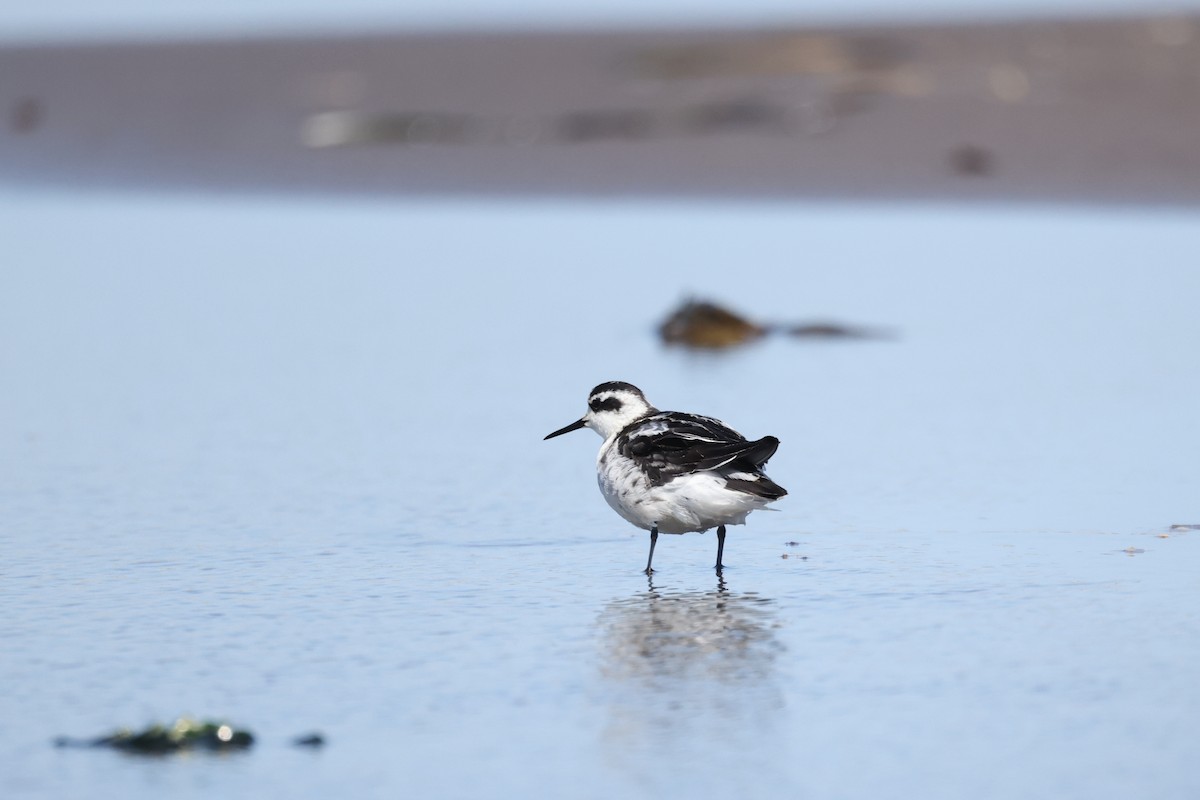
671 443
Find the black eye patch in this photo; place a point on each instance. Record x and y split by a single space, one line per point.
607 404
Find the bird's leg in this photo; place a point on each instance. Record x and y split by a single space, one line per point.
720 546
653 540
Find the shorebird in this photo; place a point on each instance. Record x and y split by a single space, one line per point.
671 472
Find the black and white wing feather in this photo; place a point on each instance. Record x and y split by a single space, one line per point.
668 444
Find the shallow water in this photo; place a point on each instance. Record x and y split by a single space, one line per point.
282 463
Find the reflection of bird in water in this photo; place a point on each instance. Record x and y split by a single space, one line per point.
673 638
686 670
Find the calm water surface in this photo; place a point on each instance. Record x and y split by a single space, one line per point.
282 463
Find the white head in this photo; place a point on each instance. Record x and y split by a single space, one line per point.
611 406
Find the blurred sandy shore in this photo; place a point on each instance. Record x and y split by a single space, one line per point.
1101 111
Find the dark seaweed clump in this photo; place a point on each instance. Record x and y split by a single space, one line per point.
183 734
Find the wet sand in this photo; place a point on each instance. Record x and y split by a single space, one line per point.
281 464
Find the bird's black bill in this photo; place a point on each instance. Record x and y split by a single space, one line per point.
574 426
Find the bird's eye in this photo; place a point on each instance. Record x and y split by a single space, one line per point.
607 404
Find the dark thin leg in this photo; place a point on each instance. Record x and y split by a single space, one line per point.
653 541
720 546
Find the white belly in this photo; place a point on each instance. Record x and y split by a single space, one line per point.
695 502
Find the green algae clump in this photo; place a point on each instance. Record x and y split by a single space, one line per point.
183 734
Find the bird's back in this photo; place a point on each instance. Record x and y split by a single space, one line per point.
668 444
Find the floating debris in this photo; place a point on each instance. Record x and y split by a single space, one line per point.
592 126
704 325
314 739
972 161
183 734
1185 527
835 330
793 555
701 324
346 128
738 115
26 115
1133 551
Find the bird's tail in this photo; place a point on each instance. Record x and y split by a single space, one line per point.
759 486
